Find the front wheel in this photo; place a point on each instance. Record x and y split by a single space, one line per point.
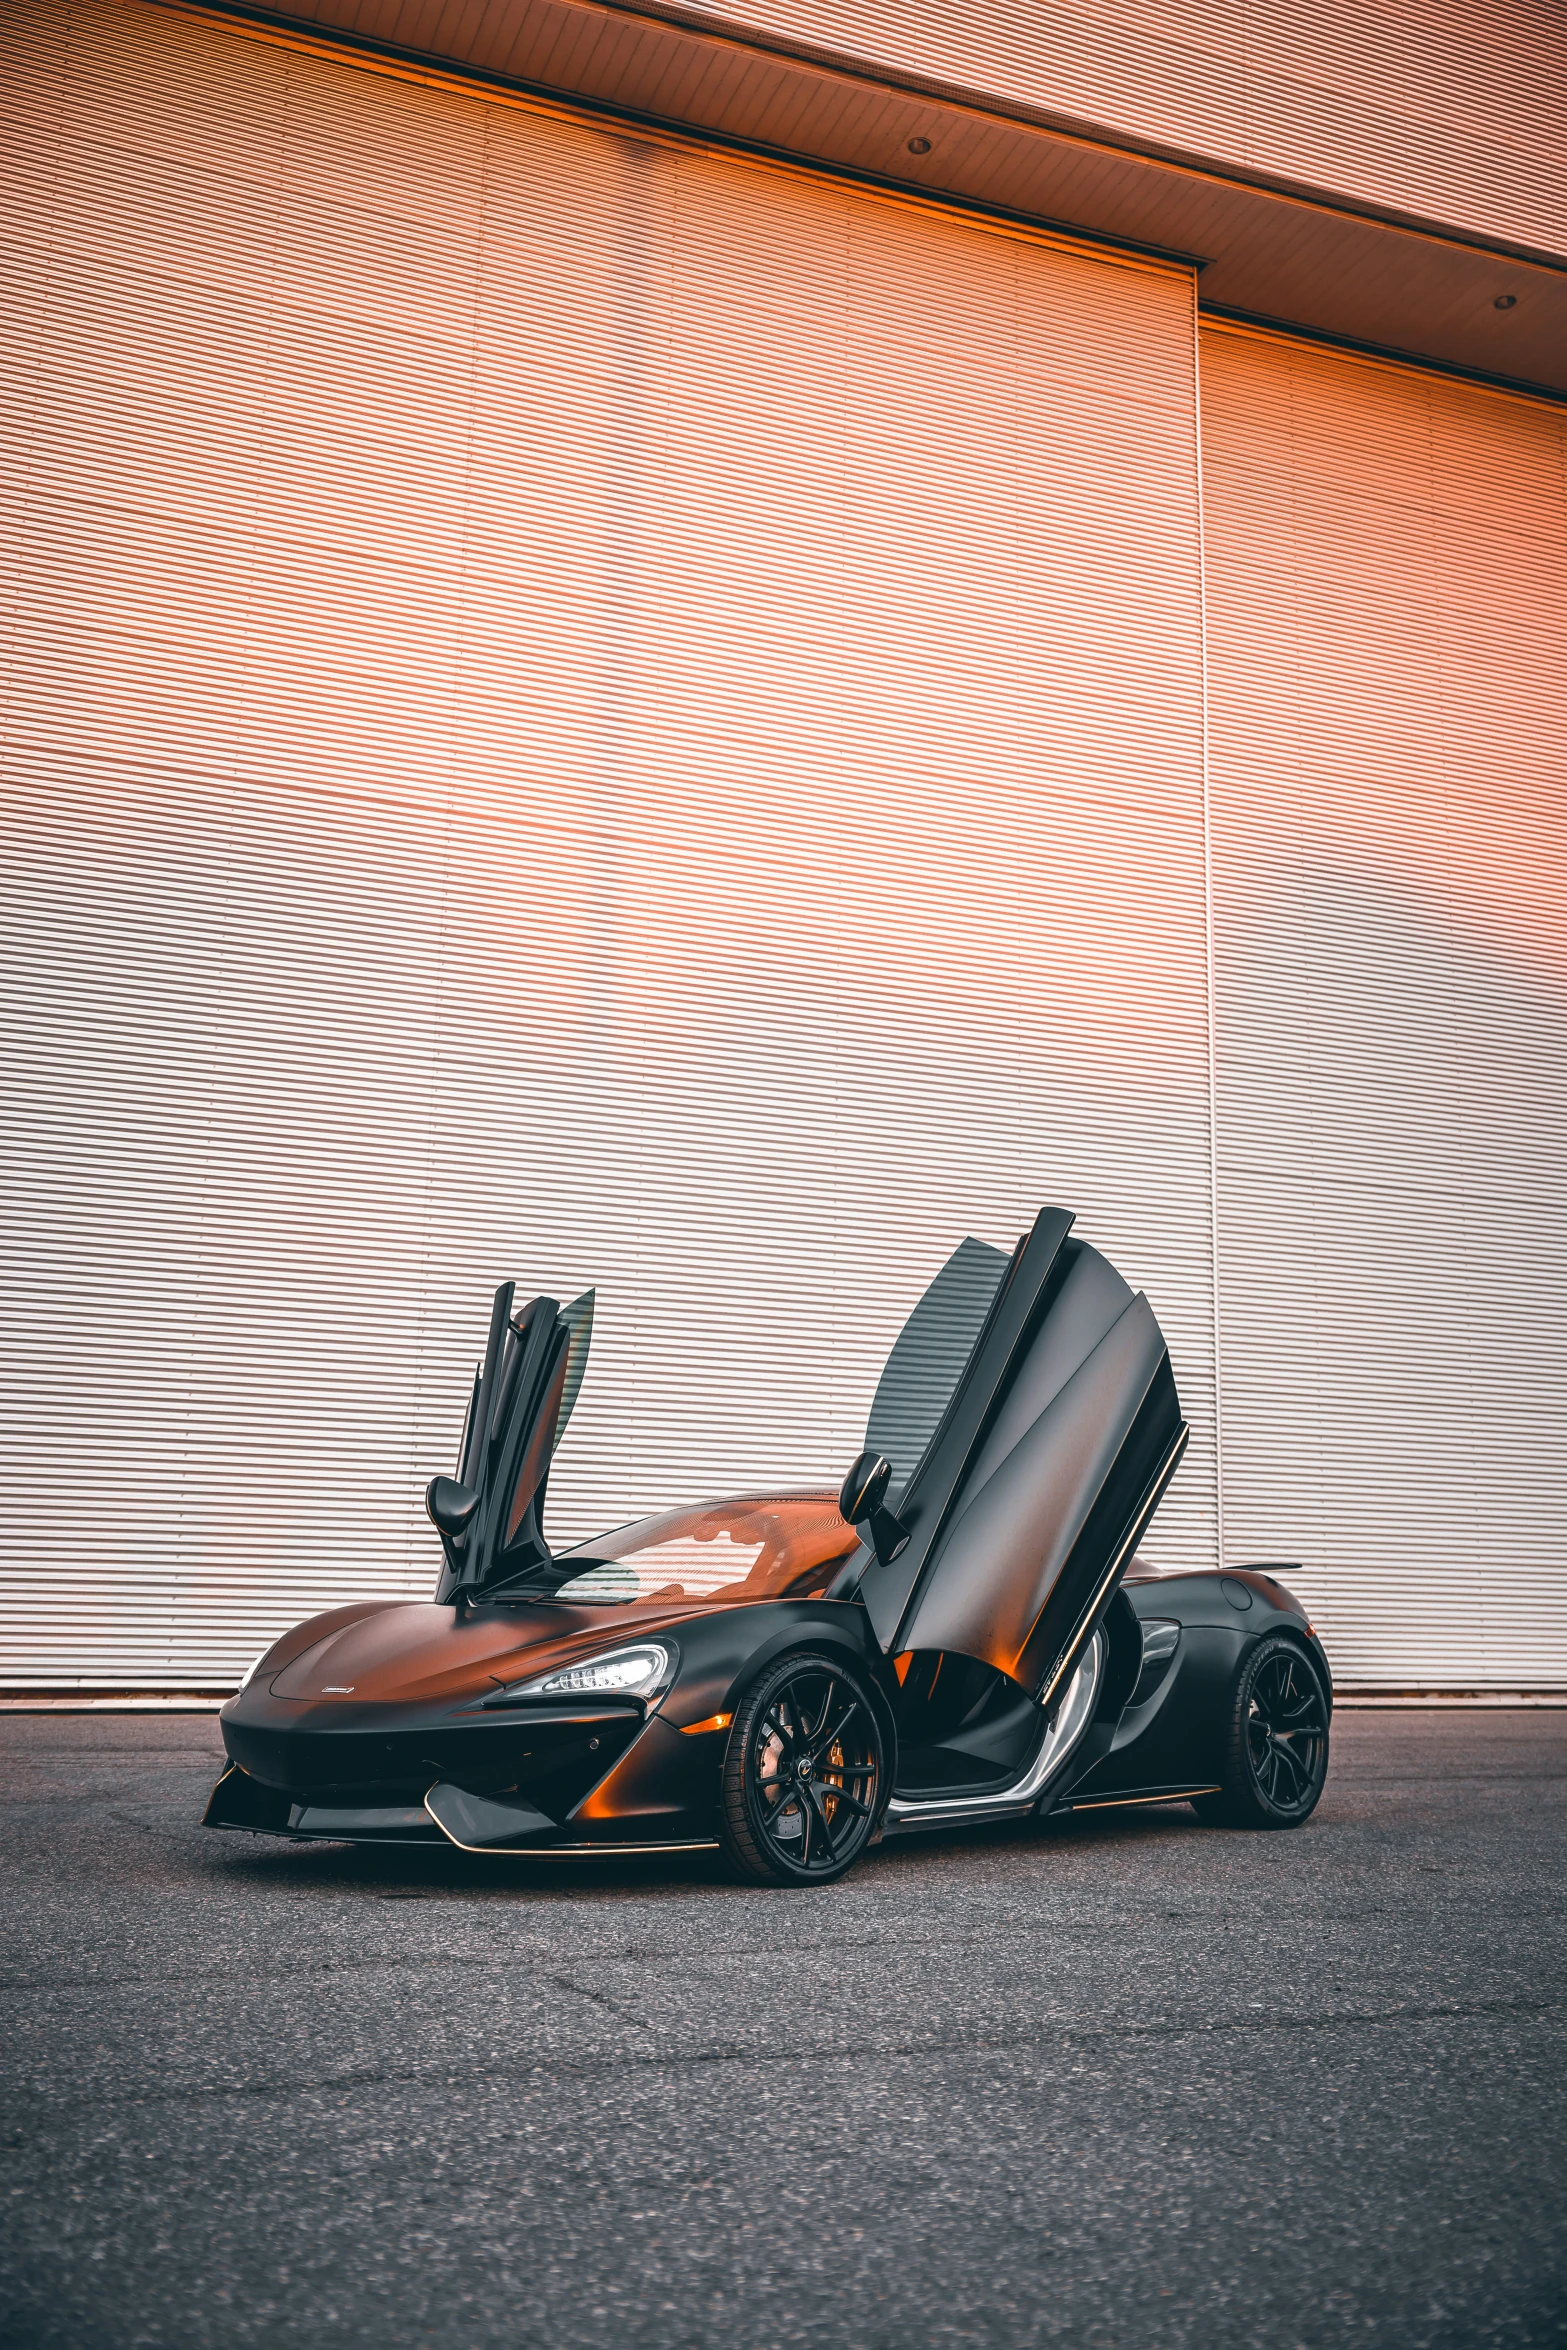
802 1778
1276 1752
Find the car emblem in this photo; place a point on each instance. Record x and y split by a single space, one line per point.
333 1689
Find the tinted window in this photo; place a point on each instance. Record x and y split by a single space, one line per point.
756 1548
927 1362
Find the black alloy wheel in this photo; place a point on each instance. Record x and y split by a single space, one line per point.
1276 1756
803 1774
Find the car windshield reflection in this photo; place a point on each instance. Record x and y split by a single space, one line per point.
766 1546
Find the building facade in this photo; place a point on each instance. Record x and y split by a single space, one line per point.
696 654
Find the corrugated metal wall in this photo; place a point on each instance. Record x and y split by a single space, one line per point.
1387 631
1450 111
572 710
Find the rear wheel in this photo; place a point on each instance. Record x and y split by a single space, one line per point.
802 1778
1276 1754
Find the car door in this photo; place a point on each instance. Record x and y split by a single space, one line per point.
1039 1391
523 1394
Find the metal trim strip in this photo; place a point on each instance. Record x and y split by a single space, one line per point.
1133 1802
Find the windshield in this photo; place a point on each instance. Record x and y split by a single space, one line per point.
762 1546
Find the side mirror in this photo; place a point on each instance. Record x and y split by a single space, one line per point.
451 1507
862 1501
865 1487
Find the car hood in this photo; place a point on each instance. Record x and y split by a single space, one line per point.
418 1651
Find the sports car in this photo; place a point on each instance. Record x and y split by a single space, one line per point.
961 1632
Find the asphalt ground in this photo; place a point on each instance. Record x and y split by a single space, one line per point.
1119 2081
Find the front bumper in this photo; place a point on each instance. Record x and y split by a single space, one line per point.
589 1777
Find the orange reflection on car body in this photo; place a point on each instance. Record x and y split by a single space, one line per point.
759 1546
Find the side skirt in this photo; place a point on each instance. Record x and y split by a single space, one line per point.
1132 1802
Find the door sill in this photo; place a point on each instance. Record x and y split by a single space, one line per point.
1076 1711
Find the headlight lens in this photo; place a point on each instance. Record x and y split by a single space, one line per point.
255 1668
642 1671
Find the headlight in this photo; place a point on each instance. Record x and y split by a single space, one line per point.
643 1671
255 1668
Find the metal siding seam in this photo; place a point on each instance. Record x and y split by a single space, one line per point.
1208 965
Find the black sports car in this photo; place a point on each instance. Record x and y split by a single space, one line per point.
961 1633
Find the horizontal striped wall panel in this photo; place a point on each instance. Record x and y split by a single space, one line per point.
573 711
1387 628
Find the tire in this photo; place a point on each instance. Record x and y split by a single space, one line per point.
803 1776
1276 1743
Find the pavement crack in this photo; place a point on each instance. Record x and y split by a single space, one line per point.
625 2015
731 2052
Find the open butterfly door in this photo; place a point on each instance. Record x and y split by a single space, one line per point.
1033 1405
490 1516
